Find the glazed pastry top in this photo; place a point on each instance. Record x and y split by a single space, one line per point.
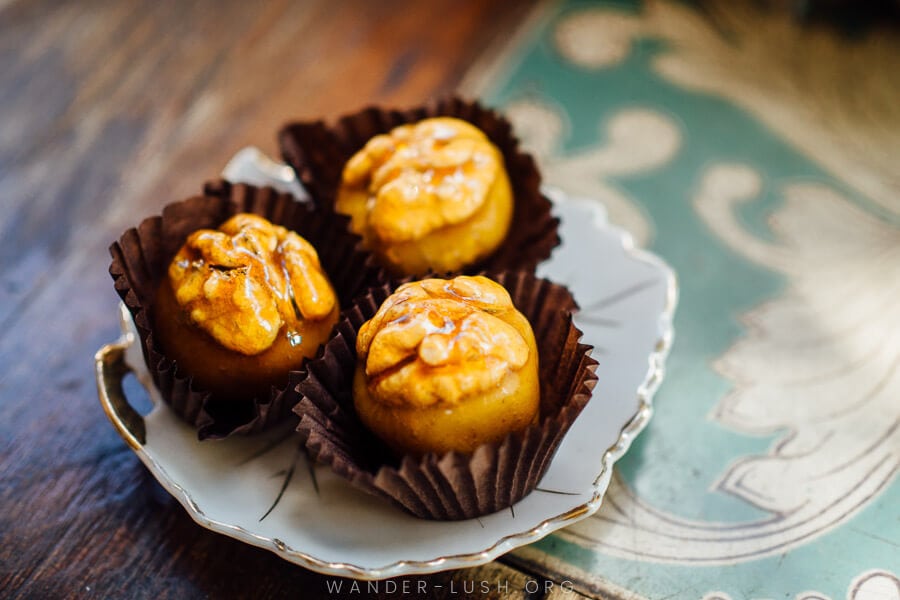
245 282
421 177
442 341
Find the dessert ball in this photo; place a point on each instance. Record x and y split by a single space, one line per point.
428 196
243 305
446 365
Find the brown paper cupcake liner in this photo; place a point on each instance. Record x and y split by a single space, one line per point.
140 260
318 153
451 486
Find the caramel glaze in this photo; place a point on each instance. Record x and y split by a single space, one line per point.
446 365
433 195
242 306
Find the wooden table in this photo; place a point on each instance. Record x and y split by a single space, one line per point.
110 110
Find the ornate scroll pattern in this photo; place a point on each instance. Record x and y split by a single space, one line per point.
637 140
821 364
818 366
734 50
870 585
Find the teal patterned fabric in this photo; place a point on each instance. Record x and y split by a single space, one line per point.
769 468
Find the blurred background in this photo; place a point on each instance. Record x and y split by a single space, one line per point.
754 145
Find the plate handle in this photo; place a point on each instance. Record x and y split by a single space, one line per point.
110 369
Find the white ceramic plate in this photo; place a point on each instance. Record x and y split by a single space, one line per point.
627 297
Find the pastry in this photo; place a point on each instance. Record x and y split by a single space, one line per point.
446 365
442 172
243 305
231 368
420 470
428 196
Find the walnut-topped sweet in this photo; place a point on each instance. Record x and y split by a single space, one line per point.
446 365
432 195
244 282
244 304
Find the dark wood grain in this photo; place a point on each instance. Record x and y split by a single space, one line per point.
108 111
